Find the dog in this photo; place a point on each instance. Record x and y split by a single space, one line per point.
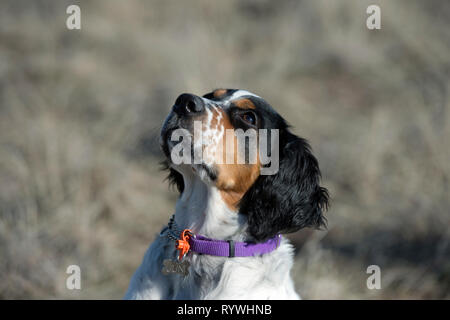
225 240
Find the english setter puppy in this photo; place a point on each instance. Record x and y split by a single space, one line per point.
225 239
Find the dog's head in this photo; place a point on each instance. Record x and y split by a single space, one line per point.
229 138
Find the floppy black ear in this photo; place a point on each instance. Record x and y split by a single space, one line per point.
289 200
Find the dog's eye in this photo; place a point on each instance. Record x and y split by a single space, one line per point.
249 117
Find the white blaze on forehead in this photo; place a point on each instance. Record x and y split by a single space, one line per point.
236 95
241 93
226 101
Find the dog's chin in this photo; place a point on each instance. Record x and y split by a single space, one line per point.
206 173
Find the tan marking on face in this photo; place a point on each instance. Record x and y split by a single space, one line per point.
244 104
219 93
233 180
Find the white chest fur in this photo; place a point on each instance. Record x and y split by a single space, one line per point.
201 209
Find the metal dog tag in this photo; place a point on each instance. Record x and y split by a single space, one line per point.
175 266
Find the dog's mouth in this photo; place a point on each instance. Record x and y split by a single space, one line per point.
177 131
168 140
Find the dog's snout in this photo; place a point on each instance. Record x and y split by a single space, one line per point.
188 104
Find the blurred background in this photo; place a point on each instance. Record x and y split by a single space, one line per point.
81 110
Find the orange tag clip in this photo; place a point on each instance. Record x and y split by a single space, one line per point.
182 245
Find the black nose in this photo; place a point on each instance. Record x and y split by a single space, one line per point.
188 104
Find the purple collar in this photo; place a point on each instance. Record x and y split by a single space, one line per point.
222 248
230 248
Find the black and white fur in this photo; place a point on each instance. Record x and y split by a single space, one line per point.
282 203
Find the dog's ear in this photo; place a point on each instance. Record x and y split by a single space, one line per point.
289 200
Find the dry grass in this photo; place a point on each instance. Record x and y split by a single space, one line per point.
80 112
